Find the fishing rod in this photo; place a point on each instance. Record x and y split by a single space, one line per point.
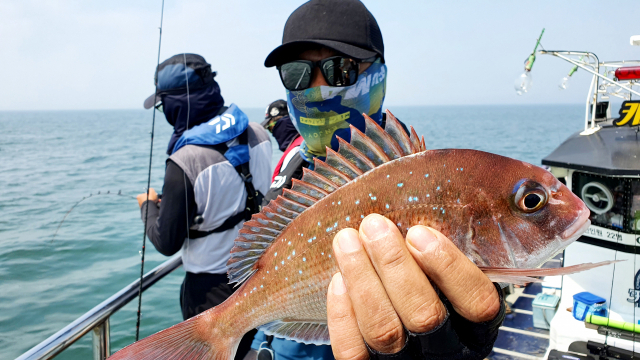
119 193
146 215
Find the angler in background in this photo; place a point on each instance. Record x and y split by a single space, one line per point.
278 122
215 154
331 63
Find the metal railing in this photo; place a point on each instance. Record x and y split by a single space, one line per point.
97 319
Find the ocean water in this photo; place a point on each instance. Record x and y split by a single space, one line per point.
51 160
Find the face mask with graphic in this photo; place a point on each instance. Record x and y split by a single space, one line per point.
323 112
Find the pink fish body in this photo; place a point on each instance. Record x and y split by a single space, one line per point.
501 212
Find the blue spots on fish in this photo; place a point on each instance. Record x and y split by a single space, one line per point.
415 198
289 243
426 175
304 259
335 225
361 216
348 218
299 271
261 286
438 188
410 172
443 211
276 254
339 202
387 176
399 224
458 201
448 180
289 257
282 262
428 195
276 267
387 206
400 184
357 202
333 203
318 223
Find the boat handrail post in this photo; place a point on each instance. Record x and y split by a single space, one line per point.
101 345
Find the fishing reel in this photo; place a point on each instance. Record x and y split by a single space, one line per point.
597 197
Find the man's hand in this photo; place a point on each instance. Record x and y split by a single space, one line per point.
383 287
153 196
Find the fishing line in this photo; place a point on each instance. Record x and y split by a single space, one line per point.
146 215
184 174
83 199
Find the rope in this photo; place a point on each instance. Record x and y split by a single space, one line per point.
146 215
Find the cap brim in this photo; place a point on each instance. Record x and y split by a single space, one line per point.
152 100
289 51
265 122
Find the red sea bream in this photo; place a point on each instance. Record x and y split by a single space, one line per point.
501 212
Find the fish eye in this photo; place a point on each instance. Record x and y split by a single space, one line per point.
530 197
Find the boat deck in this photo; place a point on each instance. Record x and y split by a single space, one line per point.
518 339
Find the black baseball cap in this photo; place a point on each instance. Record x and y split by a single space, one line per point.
345 26
172 76
276 108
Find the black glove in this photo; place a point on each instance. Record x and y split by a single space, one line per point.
455 338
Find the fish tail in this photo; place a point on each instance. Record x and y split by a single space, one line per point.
523 276
181 341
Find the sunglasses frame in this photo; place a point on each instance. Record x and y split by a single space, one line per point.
320 64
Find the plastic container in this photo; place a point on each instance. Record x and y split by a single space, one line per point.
544 308
586 303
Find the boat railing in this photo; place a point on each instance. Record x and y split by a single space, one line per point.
96 320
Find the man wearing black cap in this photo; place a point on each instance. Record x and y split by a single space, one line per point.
381 305
215 155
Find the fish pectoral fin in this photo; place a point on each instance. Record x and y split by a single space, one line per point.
313 332
523 276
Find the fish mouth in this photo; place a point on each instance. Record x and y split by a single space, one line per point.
577 228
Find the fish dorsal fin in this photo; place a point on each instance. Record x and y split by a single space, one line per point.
312 332
382 139
343 165
363 153
415 140
424 147
348 152
334 175
367 147
318 180
397 132
308 189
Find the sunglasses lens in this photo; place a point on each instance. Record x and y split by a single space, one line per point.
340 71
296 75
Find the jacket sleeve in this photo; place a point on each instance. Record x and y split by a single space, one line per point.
169 221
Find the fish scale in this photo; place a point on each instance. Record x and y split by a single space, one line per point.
283 256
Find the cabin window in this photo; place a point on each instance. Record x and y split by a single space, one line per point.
607 198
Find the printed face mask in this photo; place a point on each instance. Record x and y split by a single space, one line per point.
323 112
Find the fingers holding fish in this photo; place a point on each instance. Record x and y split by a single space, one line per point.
413 298
377 320
471 293
346 340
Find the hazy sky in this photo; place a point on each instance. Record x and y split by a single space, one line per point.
69 54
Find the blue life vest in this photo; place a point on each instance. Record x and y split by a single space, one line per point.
221 129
